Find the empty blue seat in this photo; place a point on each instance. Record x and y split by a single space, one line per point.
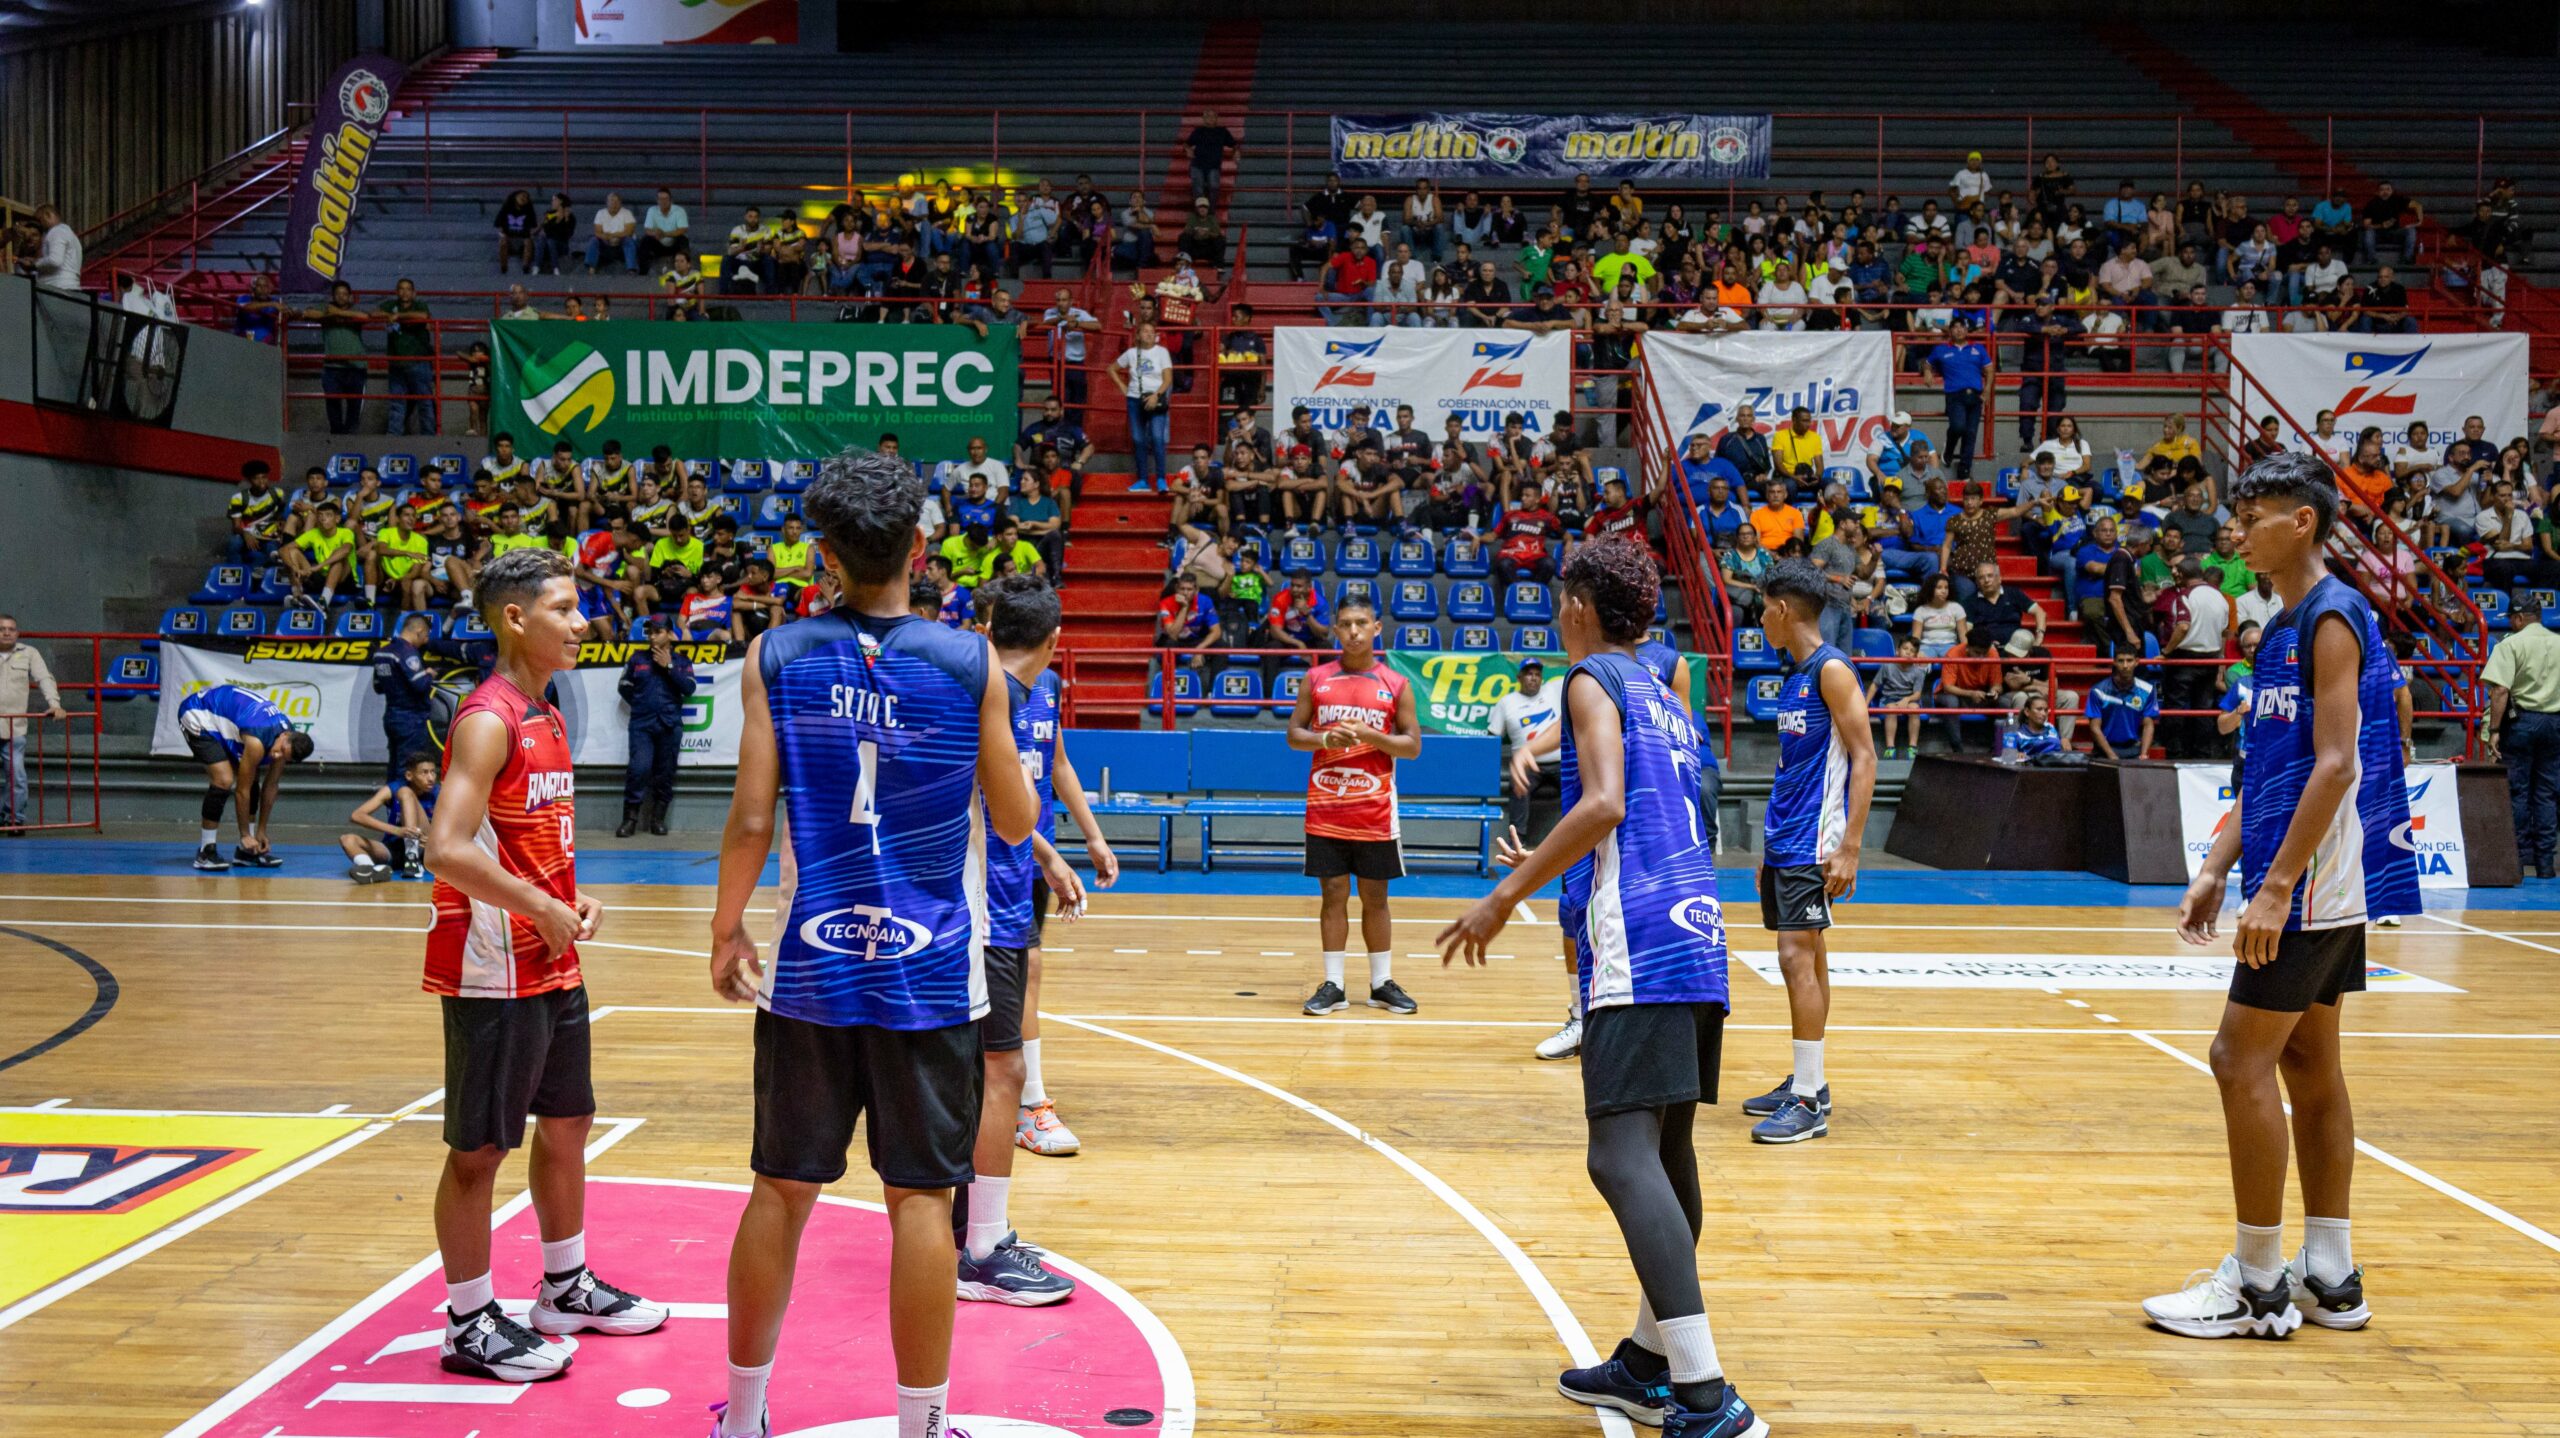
1534 639
775 508
1845 475
141 669
2530 603
1760 700
1528 602
223 584
240 621
1659 635
1871 643
1466 559
794 475
1363 590
1412 559
1286 684
1661 606
464 626
1235 693
454 467
1477 639
2493 606
1413 600
1358 556
358 623
1186 685
398 469
1752 652
706 470
1423 638
1471 601
1303 554
343 467
748 476
1862 486
184 622
302 624
2007 488
270 586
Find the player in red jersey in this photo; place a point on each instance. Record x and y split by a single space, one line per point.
503 959
1356 716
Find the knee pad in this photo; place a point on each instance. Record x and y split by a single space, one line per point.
216 799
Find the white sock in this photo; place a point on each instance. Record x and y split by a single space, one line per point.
1333 967
744 1417
369 596
1381 965
1808 1067
1573 979
567 1256
364 861
987 1223
208 838
2261 1253
470 1295
1692 1346
1034 1092
2325 1250
328 594
1648 1334
921 1411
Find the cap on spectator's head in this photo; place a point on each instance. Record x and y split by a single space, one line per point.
1533 662
1973 154
1893 482
657 624
1543 292
1902 416
1301 452
2070 494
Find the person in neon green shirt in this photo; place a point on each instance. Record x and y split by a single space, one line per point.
511 534
681 549
1605 270
325 551
971 552
399 559
794 561
2229 571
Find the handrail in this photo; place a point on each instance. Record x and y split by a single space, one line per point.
190 184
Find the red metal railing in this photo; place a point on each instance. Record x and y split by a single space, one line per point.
52 771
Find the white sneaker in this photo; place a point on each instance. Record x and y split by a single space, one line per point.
489 1344
1565 1042
2387 921
2219 1303
2338 1305
1037 1127
582 1302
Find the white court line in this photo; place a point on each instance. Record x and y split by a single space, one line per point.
227 928
2399 1165
275 903
51 1103
2487 933
1577 1342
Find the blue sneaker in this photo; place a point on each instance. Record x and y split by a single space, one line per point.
1012 1274
1733 1420
1797 1119
1610 1383
1776 1098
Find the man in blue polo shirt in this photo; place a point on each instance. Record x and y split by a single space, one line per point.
1929 517
2125 215
1960 363
1895 447
1718 511
2122 710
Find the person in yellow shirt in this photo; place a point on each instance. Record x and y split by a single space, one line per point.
511 533
398 561
1797 447
1606 269
794 562
325 552
972 553
2175 443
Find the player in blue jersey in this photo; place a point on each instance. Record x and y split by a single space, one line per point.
879 733
243 741
2321 834
1817 817
1640 883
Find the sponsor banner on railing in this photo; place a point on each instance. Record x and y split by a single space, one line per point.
1845 379
688 22
2386 382
1477 144
1481 376
2434 839
344 131
1455 693
774 390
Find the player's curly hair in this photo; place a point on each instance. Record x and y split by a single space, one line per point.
866 504
2294 478
1798 580
1620 584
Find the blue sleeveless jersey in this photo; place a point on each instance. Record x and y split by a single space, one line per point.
226 714
1662 661
884 863
1641 907
1011 867
2365 866
1809 797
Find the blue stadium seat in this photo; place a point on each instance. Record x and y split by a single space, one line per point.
223 584
1528 602
1466 559
1286 684
358 623
2530 603
343 467
403 617
794 475
270 585
454 467
1412 559
399 469
1753 653
775 508
1533 639
1661 606
2007 487
302 624
1186 685
184 622
132 669
1871 643
1760 701
1422 638
1862 486
1351 589
1477 639
1239 686
2493 606
240 621
1358 556
1414 601
1302 555
1845 475
464 625
748 476
1471 601
1660 635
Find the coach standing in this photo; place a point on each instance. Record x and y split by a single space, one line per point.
400 676
2523 675
23 676
656 683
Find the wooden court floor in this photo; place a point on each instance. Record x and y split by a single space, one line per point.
1351 1225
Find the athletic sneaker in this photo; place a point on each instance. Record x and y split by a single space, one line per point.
1733 1419
413 871
764 1424
1328 999
2219 1303
2387 921
1392 997
1776 1098
2331 1305
1611 1384
256 861
367 873
209 858
489 1344
1796 1120
1038 1128
1565 1042
1012 1274
579 1302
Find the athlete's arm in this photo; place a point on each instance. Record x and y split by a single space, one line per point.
2336 656
477 753
1600 757
1063 882
1849 725
745 840
2497 721
1097 849
270 783
2203 901
1013 809
363 817
1302 719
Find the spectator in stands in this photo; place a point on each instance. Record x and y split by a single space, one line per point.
1969 679
664 230
1133 243
2392 217
2199 616
2386 307
1211 145
2511 539
555 235
1962 364
58 254
258 315
1746 449
343 361
2123 709
1524 538
1485 302
1187 620
516 223
410 344
1351 274
1894 687
23 680
1938 621
2044 335
746 259
1777 519
257 514
1798 446
1143 374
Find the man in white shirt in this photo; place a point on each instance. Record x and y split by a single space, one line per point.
1068 325
58 258
662 230
2246 316
2258 606
614 228
1970 184
2198 617
1516 717
2325 272
979 466
1144 375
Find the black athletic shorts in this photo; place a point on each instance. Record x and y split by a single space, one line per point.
1008 971
505 1058
2311 966
208 749
1331 858
920 1088
402 850
1041 898
1791 898
1637 1056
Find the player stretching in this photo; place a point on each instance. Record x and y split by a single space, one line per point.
2317 832
1817 813
1649 949
243 741
880 732
1342 715
503 956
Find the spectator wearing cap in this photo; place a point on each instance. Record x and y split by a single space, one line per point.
1893 449
1969 185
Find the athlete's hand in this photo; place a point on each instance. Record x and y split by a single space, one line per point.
736 969
590 916
1840 874
1066 884
1106 864
2200 910
2262 924
1508 850
1524 770
1340 737
1474 929
557 923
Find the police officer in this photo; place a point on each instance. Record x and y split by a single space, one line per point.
2523 675
655 684
400 676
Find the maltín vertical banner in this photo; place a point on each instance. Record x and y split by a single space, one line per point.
343 135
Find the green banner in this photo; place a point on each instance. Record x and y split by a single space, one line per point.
1455 693
726 390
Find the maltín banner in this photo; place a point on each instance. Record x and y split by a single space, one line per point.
343 134
724 390
1490 146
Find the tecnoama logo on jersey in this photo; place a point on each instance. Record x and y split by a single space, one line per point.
1346 783
1701 915
866 931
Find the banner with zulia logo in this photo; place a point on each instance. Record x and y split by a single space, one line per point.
352 111
1701 382
2384 382
2433 839
1497 147
1481 376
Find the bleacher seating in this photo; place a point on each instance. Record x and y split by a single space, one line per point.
796 475
398 470
1412 559
1422 638
774 508
1471 601
1534 639
1348 590
139 669
1235 693
1358 557
1761 697
359 622
1186 686
1752 652
1414 600
223 584
464 626
343 467
748 476
184 622
1477 639
1527 601
301 624
240 621
1466 561
1303 554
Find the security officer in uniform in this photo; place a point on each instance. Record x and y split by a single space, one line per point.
400 676
655 684
2523 675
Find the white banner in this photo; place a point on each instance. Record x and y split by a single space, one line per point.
2435 820
333 703
1845 379
2385 381
600 723
2199 970
1481 376
688 22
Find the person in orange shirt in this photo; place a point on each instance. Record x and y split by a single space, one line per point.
2366 477
1776 519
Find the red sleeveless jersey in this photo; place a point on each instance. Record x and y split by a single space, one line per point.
1351 793
480 951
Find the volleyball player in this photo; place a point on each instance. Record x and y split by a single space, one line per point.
880 732
1649 945
502 957
381 848
2317 831
243 741
1343 715
1817 815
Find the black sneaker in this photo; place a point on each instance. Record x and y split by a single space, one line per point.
1392 997
1328 999
2331 1305
579 1302
489 1344
248 860
1776 1099
209 858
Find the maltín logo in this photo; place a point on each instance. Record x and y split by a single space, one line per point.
1098 1363
565 386
98 1178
